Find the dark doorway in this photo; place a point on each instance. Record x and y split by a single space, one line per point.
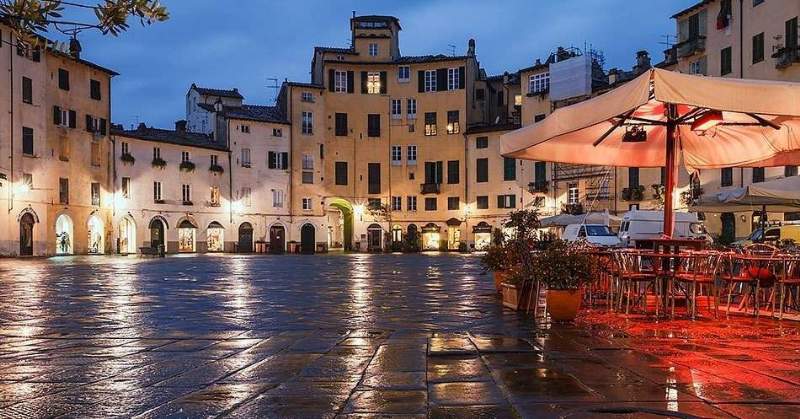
374 234
245 238
728 234
156 233
26 235
307 238
277 239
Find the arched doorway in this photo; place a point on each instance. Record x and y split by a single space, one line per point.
374 238
26 234
453 233
157 228
340 222
431 239
412 238
277 239
308 239
483 235
64 236
397 234
127 235
187 236
245 238
95 230
215 237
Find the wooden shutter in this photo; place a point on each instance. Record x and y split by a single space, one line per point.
271 163
439 171
351 80
103 126
374 178
384 82
72 117
421 80
56 115
331 81
441 79
363 82
461 76
89 123
501 201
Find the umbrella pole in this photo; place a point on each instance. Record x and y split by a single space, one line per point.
669 188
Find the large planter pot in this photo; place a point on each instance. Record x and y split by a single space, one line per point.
499 278
513 296
563 305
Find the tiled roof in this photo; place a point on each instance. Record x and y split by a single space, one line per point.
234 93
251 112
144 132
691 8
303 84
479 129
336 50
411 59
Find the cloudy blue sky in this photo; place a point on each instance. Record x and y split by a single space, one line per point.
214 43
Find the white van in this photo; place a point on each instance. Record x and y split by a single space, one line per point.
644 225
595 234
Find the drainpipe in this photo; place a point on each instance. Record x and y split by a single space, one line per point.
230 168
11 124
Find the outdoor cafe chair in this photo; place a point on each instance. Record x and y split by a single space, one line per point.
696 270
754 268
789 278
636 272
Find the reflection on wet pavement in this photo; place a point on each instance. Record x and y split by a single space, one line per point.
356 336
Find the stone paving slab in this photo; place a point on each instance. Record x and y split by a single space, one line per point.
408 336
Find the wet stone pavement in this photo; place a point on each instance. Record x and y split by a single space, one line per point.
354 336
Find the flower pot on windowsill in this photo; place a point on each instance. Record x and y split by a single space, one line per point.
159 163
563 305
216 169
186 166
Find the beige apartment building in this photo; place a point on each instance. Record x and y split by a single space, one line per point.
55 190
753 39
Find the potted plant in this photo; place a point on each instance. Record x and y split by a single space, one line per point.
495 260
186 166
158 162
564 268
216 169
127 158
519 246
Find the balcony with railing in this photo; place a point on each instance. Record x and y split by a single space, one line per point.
786 57
567 171
430 188
691 46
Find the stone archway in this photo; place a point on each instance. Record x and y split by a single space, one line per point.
340 222
158 228
26 222
64 235
127 235
96 235
215 237
245 238
308 241
277 238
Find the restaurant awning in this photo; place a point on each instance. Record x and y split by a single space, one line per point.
779 195
662 116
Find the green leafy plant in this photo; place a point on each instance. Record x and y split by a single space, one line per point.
635 193
561 265
495 258
215 168
159 162
127 158
186 166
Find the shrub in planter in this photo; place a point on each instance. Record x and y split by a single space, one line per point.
215 168
159 162
496 261
186 166
127 158
523 225
564 268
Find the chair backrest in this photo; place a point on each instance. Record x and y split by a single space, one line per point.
700 263
760 249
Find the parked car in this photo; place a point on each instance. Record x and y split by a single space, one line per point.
774 235
648 225
595 234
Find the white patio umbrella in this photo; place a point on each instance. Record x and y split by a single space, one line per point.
662 116
781 195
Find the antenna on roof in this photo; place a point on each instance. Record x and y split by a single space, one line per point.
272 83
668 40
452 49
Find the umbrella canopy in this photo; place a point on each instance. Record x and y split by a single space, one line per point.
776 195
661 116
760 125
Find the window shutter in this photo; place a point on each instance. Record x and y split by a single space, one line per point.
384 83
285 162
103 126
500 201
363 82
421 80
89 123
351 80
513 201
461 76
441 79
72 117
331 81
56 115
271 160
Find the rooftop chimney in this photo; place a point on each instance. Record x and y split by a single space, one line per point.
642 61
141 126
471 48
75 48
180 126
